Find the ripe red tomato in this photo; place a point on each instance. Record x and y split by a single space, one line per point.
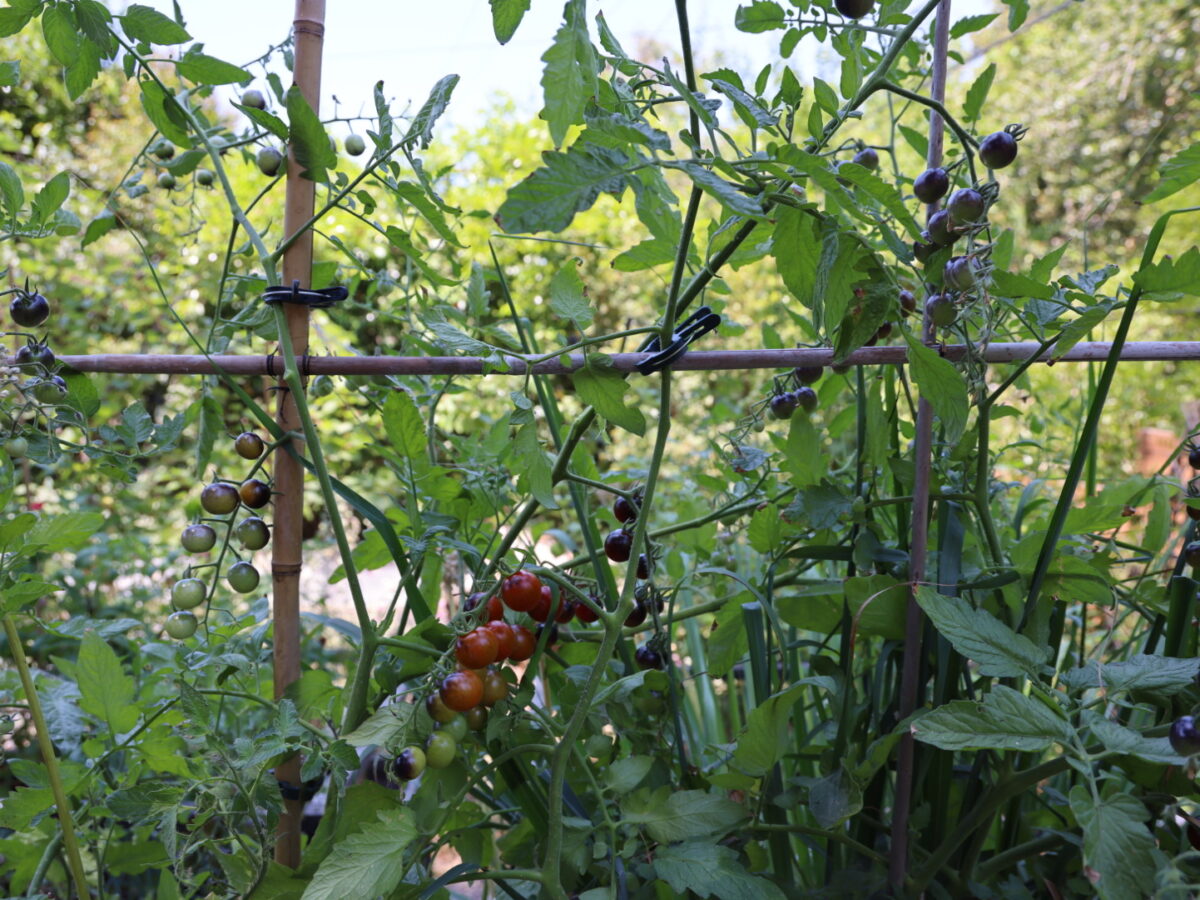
461 690
585 613
541 609
524 643
504 636
521 591
566 611
495 688
477 648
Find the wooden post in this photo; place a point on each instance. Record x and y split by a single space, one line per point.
914 623
309 34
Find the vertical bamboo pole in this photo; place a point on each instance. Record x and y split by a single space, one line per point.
923 457
309 33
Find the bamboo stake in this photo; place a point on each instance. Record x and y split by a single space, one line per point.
286 555
694 361
914 621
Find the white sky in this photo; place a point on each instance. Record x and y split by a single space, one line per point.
410 44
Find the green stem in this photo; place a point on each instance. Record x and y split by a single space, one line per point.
70 841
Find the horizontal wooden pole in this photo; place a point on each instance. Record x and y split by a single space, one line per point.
695 361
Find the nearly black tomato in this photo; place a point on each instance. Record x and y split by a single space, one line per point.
808 374
618 546
647 657
1184 736
625 511
868 158
783 405
1194 457
36 354
941 230
854 9
941 310
254 493
931 185
29 310
806 399
409 763
998 150
966 206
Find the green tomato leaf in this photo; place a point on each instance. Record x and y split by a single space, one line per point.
569 76
1176 173
568 296
1005 720
682 815
1138 673
506 16
105 690
143 23
1118 850
759 16
403 425
309 140
204 69
711 870
368 862
435 104
942 385
566 184
604 388
165 113
978 635
977 93
1170 279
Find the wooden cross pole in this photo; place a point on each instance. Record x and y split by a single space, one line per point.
308 37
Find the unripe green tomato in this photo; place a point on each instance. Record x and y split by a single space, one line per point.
181 625
249 445
440 750
50 391
188 593
355 145
254 99
456 728
252 533
205 177
438 711
269 160
16 447
476 718
166 180
322 386
198 538
164 150
242 577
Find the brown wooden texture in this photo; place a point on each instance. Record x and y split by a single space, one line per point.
286 558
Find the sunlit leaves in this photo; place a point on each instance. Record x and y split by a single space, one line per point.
569 77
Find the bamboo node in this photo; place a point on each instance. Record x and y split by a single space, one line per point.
284 569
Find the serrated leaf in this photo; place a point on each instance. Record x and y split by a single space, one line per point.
1117 846
605 389
889 198
58 28
1178 172
826 96
725 192
607 129
403 425
264 119
82 70
566 184
64 531
942 385
164 113
309 140
368 862
506 16
759 16
978 635
758 116
99 227
50 198
569 75
764 740
1170 279
766 530
568 296
682 815
528 452
105 690
435 104
16 597
1016 286
1005 720
1167 674
709 870
204 69
971 24
12 21
623 775
977 93
142 23
384 725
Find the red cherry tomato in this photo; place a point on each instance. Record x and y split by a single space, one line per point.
504 636
476 648
566 611
585 613
461 690
521 591
495 609
541 610
524 643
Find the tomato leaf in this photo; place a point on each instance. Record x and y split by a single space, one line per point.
506 16
308 138
942 385
566 184
979 636
368 862
105 690
569 76
1118 850
1005 720
143 23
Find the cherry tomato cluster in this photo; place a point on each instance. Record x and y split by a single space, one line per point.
221 500
32 376
963 215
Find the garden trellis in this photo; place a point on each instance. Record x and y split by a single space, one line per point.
293 364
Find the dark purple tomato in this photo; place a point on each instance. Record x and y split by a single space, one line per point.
931 185
1185 738
409 763
29 310
854 9
618 546
783 405
806 399
1191 553
643 566
908 303
941 310
647 657
998 150
960 273
637 616
624 510
966 206
940 229
1194 458
867 158
808 374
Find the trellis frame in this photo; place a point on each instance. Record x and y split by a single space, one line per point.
308 25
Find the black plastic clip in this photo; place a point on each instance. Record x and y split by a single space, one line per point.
279 293
305 792
698 324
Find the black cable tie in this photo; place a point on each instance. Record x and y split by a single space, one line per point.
322 299
271 364
698 324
